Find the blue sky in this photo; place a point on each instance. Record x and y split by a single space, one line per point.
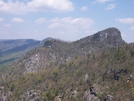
68 20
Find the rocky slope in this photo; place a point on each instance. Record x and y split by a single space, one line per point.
55 52
95 68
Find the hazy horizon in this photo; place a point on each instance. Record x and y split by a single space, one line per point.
68 20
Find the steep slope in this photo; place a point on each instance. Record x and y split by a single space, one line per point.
95 68
97 77
101 40
55 52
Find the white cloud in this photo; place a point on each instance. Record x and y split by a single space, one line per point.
110 6
66 28
19 7
17 20
40 20
132 28
125 20
84 8
1 19
69 23
7 25
76 27
54 25
101 1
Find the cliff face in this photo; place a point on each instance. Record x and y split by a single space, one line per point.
111 35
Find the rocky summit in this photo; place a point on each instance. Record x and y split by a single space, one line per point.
55 52
95 68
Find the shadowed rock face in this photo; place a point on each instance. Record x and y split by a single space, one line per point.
110 35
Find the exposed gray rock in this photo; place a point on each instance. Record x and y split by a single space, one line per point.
74 93
89 97
57 98
113 35
32 95
1 88
3 96
86 78
32 63
109 98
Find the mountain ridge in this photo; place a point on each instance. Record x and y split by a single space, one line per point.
54 51
84 70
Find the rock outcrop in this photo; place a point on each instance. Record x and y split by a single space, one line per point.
89 97
56 51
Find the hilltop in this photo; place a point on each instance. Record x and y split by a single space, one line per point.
54 51
94 68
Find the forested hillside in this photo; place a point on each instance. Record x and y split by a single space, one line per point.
96 68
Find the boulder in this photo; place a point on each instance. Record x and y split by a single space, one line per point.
57 98
87 96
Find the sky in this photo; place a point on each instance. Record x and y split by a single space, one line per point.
68 20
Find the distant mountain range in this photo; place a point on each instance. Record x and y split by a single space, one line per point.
94 68
11 50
